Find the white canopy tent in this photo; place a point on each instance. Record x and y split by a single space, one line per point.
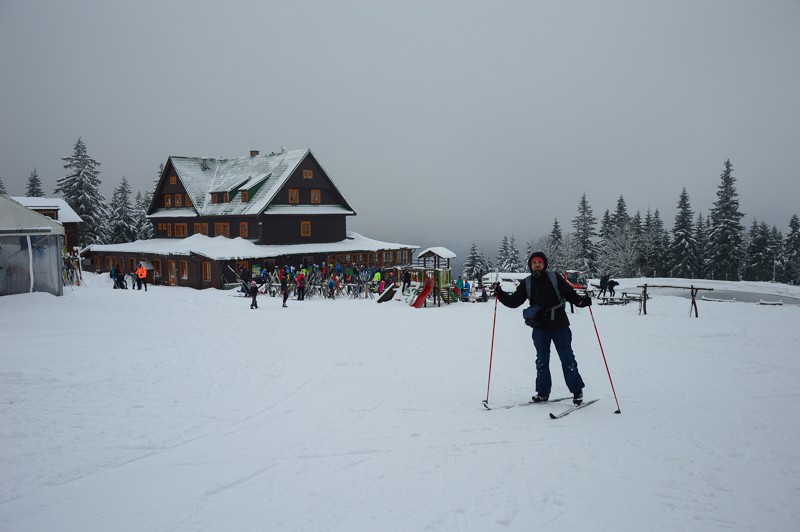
30 251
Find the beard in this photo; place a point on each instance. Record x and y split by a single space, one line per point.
536 273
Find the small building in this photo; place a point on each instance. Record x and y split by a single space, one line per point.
30 251
58 210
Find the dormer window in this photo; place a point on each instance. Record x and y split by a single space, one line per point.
225 198
245 196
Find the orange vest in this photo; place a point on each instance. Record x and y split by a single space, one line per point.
141 272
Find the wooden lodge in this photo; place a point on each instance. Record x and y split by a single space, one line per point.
214 216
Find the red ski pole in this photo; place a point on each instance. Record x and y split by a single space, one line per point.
491 352
618 410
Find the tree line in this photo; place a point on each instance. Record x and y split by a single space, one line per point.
714 246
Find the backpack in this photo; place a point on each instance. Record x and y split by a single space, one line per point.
530 313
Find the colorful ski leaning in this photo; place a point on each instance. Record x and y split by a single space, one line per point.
571 409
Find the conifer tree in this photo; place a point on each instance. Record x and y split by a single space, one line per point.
683 248
3 191
502 254
791 252
81 190
725 237
701 262
757 260
513 264
121 225
471 262
34 189
144 229
583 226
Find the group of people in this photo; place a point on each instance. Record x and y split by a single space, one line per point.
332 279
138 277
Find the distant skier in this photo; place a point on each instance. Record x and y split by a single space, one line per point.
254 294
284 287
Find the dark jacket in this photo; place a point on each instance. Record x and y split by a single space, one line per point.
544 295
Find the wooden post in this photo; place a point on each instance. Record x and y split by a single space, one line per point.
694 301
644 299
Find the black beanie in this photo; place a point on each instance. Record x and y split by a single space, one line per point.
541 256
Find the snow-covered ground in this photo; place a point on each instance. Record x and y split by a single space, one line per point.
184 410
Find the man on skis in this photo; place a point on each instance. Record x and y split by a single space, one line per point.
545 293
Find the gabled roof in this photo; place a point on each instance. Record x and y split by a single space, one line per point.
65 212
261 175
16 219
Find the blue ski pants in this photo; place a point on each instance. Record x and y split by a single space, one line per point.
562 339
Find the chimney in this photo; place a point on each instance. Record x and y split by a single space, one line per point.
253 153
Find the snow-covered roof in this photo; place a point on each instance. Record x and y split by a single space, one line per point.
16 219
439 251
261 175
222 248
65 213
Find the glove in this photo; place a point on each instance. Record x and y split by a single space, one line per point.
497 288
586 301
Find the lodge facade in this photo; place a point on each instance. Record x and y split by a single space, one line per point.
214 216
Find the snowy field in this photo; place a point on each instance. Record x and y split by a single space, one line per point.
184 410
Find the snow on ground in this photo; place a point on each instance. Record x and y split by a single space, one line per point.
184 410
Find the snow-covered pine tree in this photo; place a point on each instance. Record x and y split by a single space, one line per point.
757 260
776 249
471 262
725 237
620 218
656 242
702 261
583 226
34 189
502 254
683 247
514 262
81 190
3 191
144 229
121 225
791 252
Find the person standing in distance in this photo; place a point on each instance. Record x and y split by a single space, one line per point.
550 324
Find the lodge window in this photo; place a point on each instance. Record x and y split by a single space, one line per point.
214 197
207 272
131 264
243 231
167 200
173 179
181 230
168 227
294 195
201 228
222 229
305 228
157 266
184 269
188 201
245 196
315 196
308 174
225 198
178 200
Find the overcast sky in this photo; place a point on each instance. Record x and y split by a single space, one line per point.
442 122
